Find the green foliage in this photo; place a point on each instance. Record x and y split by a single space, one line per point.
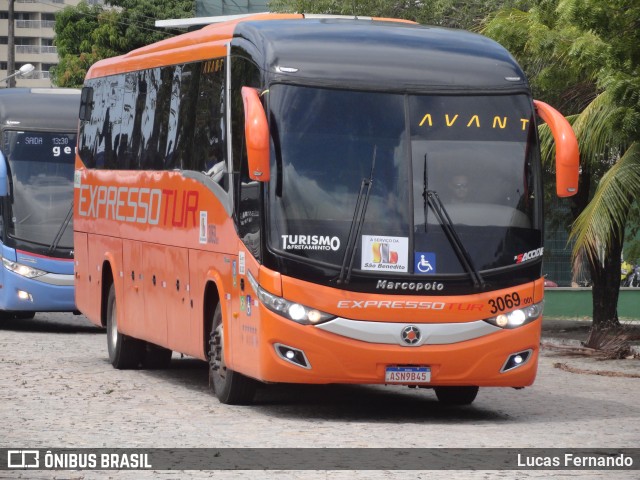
632 251
584 55
86 33
448 13
608 211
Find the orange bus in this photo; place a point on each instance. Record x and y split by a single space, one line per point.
317 200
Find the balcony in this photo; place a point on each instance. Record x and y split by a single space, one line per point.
36 49
36 24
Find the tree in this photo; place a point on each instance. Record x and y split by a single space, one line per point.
86 33
447 13
586 54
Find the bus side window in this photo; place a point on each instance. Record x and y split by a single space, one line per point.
98 135
89 126
129 140
155 119
209 141
184 101
248 211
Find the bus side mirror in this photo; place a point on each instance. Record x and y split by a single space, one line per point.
256 132
86 103
567 153
3 176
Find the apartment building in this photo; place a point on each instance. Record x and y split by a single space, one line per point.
34 21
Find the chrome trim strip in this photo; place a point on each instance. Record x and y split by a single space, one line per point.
57 279
390 333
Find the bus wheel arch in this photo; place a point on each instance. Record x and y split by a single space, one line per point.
230 387
211 301
124 351
107 282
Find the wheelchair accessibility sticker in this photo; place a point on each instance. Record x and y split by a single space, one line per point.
424 263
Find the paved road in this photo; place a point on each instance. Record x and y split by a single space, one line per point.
57 390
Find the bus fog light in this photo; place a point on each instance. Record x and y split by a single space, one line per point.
292 355
516 360
22 295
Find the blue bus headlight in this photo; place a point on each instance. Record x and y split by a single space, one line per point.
518 317
293 311
23 270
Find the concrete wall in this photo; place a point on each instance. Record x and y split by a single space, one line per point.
578 303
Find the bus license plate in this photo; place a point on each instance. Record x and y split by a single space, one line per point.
407 375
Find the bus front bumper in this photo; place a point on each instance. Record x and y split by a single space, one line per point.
327 357
50 294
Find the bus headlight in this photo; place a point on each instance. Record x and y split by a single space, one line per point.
293 311
518 317
20 269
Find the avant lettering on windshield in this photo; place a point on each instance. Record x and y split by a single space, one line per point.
451 120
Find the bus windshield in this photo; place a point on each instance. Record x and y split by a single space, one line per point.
473 154
41 168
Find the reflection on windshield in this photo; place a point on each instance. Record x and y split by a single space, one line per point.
475 152
326 146
41 166
485 191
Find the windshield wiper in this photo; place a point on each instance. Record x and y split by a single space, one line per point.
425 189
447 225
356 224
63 227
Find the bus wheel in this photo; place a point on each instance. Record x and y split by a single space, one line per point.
230 387
124 351
456 395
156 357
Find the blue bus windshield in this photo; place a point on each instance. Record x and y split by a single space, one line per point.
41 166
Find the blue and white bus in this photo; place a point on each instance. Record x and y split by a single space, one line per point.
38 129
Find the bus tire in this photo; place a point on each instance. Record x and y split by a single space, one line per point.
231 388
156 357
456 395
124 352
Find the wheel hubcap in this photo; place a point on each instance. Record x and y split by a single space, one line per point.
113 330
217 353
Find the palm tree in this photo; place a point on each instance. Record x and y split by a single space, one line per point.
598 232
584 56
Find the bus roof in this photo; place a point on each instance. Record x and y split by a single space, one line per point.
40 108
380 54
353 53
